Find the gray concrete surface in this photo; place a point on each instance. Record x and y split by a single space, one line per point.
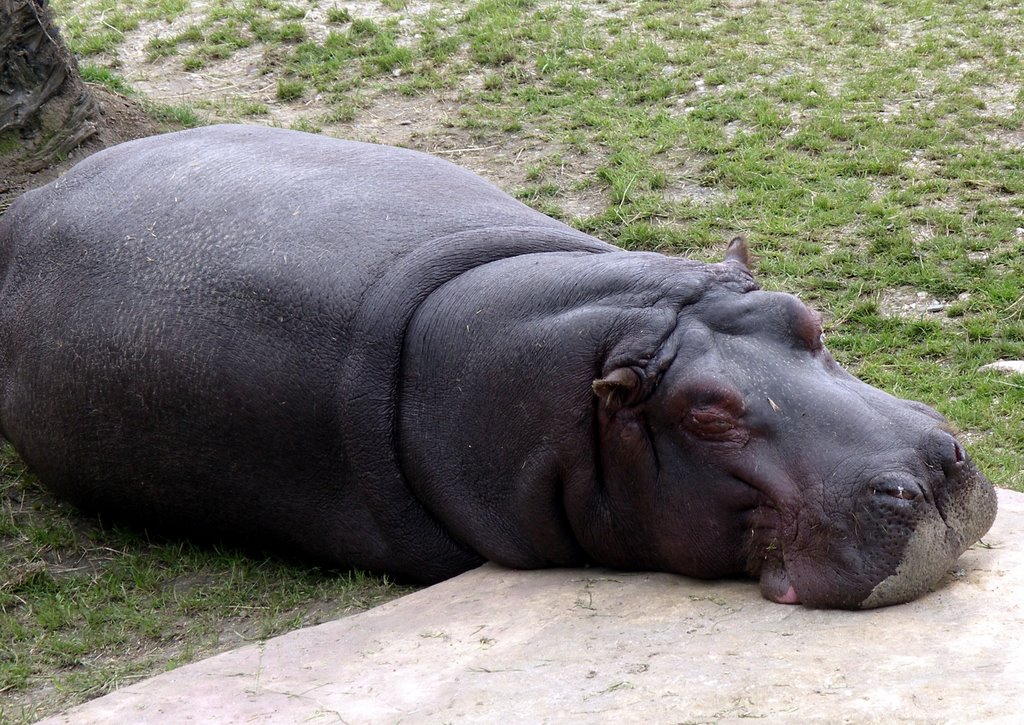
565 646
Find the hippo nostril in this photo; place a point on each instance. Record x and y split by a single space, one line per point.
905 494
902 490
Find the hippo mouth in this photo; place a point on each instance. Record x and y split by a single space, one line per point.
769 529
776 585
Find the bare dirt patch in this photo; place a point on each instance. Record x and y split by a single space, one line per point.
910 304
682 180
246 75
1009 140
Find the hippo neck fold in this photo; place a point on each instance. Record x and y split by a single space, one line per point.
370 380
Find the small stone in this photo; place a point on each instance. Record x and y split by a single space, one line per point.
1013 367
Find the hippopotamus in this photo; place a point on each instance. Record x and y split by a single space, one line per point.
370 358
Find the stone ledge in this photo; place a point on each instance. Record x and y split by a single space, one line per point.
597 646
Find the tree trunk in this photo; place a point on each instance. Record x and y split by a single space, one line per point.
45 108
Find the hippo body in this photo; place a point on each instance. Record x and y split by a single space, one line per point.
372 358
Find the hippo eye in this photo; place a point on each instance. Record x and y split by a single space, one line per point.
708 421
711 412
714 423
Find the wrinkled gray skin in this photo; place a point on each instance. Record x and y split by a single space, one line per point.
372 358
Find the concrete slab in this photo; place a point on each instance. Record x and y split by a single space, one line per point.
600 646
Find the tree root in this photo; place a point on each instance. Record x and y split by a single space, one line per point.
41 93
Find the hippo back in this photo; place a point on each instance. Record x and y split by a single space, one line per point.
244 289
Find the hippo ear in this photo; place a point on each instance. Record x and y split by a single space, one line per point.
617 389
737 252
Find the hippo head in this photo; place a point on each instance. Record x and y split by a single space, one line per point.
767 458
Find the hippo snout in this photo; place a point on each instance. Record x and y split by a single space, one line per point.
962 495
943 514
967 501
879 529
935 545
941 452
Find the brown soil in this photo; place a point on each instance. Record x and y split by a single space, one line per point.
121 119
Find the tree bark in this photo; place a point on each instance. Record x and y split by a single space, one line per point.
45 108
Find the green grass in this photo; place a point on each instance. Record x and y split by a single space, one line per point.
180 115
289 90
104 76
338 16
870 151
76 596
9 141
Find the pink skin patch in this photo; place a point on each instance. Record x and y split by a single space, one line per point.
775 584
789 597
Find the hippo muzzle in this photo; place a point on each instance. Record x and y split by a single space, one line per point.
889 542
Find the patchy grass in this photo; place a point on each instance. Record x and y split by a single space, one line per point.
106 77
85 608
872 151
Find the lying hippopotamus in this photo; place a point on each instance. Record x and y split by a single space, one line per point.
373 358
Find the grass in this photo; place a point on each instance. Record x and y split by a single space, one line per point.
89 608
871 151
